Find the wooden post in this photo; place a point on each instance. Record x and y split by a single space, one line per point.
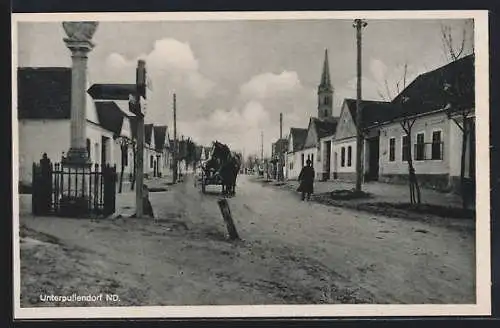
140 91
175 143
280 151
228 219
359 24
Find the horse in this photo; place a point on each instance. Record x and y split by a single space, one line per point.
230 166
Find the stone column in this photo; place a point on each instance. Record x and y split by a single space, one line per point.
79 43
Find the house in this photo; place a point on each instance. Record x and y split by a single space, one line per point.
294 158
44 114
436 138
344 143
278 151
154 136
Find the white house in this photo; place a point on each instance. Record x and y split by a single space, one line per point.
295 160
436 138
44 112
373 113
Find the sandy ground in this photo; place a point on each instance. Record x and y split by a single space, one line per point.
291 252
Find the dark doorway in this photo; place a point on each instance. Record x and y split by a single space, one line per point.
327 163
104 149
373 159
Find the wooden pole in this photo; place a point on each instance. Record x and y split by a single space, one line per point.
140 91
175 142
280 151
359 24
228 219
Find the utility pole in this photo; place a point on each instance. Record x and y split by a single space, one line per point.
139 92
262 146
359 24
175 142
280 151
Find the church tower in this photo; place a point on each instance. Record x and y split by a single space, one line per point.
325 91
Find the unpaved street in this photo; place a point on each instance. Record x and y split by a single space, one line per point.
291 252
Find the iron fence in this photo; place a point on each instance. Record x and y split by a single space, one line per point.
73 191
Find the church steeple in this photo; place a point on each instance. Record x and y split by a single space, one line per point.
325 75
325 91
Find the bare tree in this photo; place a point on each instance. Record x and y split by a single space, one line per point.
124 143
407 125
458 90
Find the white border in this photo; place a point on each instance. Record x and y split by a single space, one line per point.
483 274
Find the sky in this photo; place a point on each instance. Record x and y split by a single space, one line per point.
232 79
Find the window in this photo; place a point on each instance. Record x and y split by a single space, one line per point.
342 157
404 148
349 156
392 149
325 113
88 148
151 161
125 155
420 147
437 145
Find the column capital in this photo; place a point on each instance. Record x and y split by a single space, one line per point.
78 48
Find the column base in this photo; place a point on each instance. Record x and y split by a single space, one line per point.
76 157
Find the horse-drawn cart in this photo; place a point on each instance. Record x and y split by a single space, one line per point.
208 177
220 170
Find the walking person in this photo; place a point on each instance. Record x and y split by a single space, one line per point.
306 178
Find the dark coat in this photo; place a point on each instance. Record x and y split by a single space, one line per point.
306 178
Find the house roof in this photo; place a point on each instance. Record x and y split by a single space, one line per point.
148 132
372 112
110 116
111 91
160 134
427 92
299 136
44 92
325 128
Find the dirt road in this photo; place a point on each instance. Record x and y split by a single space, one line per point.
292 252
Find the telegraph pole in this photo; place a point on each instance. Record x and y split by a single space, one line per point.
359 24
140 92
175 141
280 151
262 146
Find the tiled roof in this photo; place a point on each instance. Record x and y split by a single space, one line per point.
44 92
427 92
325 128
111 91
299 137
148 131
110 116
160 134
372 112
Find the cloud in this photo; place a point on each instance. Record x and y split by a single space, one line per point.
171 63
270 85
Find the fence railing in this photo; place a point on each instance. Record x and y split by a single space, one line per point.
73 191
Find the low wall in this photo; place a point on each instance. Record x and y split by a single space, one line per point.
439 182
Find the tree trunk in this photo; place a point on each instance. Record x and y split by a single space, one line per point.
132 183
462 162
123 152
412 177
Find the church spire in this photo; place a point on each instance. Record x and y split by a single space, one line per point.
325 75
325 91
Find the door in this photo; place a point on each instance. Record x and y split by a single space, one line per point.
327 163
104 149
373 168
335 165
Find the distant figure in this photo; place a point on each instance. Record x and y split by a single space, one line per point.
306 178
